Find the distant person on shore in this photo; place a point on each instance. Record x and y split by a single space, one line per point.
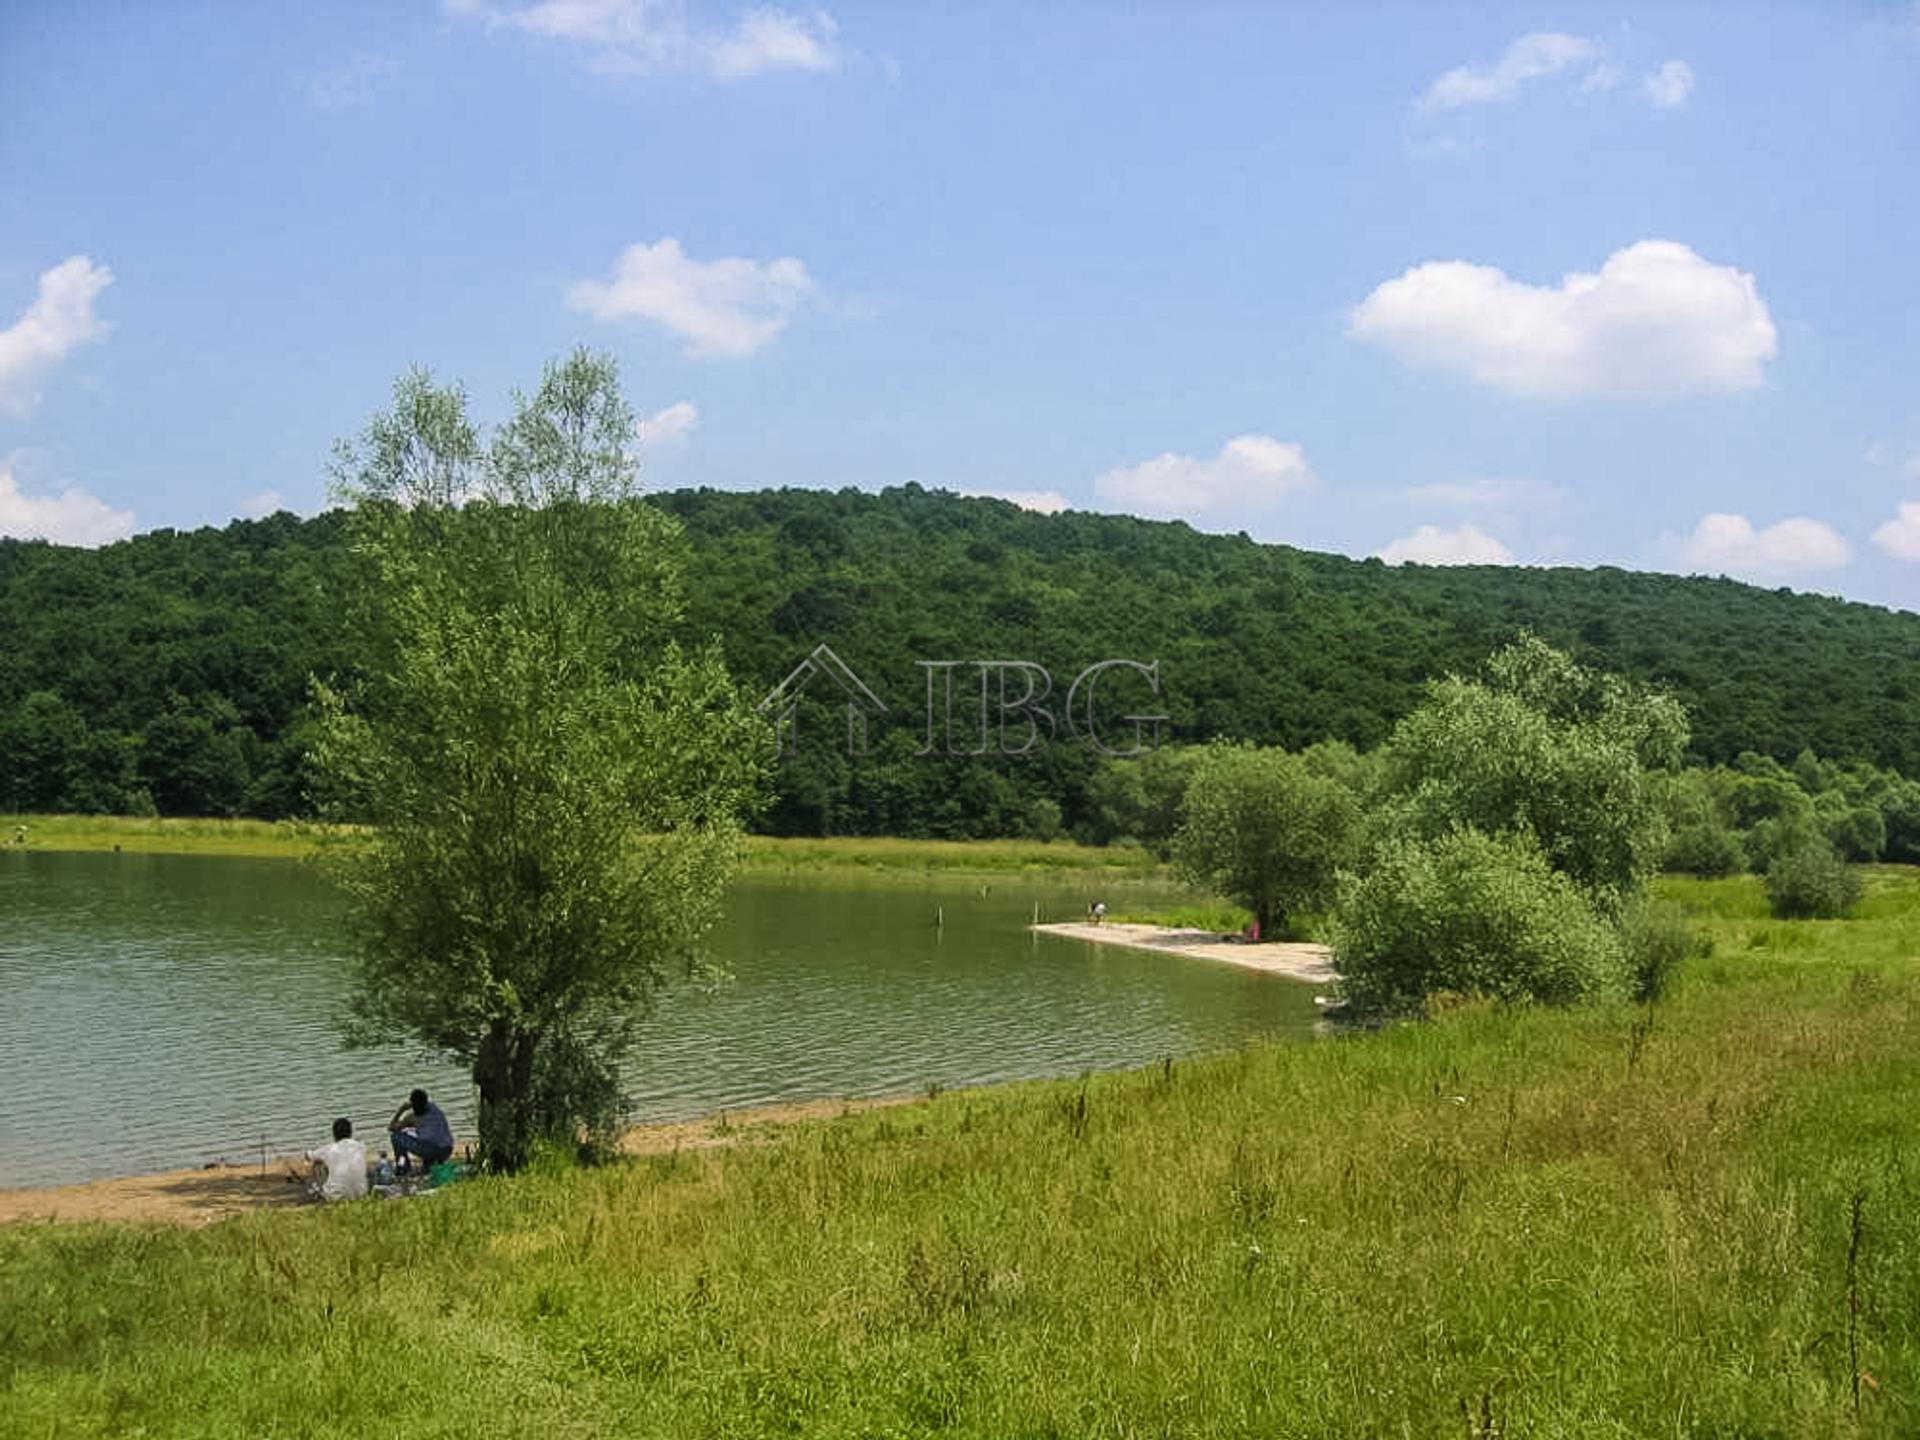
1098 910
420 1130
339 1169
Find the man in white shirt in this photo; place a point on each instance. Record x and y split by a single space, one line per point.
339 1169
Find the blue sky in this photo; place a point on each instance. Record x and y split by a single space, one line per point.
1534 284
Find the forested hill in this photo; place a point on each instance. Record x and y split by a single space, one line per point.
173 665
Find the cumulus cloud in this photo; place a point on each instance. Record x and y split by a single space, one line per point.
722 308
70 517
670 426
60 317
1041 502
650 37
1460 545
1249 470
1656 321
1729 545
1668 87
1900 536
1532 57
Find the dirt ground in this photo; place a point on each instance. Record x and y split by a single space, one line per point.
200 1197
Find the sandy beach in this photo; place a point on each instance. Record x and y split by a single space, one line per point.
1299 960
217 1192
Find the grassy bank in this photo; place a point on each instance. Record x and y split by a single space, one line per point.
1699 1220
848 855
154 836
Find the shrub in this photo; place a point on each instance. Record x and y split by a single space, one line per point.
1710 851
1474 914
1809 882
1655 936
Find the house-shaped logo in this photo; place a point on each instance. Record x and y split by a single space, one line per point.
783 701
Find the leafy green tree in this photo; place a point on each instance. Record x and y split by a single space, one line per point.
1472 914
1702 838
1519 820
1138 798
1264 829
552 789
1545 748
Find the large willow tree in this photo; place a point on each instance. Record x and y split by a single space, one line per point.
549 788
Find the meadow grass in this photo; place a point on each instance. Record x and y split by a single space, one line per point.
1699 1218
265 838
838 857
841 854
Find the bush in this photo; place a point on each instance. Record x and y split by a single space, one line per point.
1810 882
1476 915
1655 936
576 1104
1709 851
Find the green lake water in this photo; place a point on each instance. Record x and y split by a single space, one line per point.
161 1011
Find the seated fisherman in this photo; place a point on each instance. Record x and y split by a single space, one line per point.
339 1169
420 1129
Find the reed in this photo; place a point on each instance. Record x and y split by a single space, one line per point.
1700 1219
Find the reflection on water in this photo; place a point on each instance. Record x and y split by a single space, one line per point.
164 1011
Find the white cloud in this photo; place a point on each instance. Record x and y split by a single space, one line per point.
1900 536
670 426
1668 87
1041 502
722 308
1249 470
769 40
1461 545
267 502
71 517
649 37
1532 57
1657 320
60 318
1729 545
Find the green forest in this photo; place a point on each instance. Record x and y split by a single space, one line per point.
170 673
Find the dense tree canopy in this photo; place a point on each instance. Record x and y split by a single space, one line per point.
178 660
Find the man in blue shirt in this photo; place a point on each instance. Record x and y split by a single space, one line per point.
420 1129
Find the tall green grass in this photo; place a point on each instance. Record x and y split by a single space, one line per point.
1697 1219
840 856
176 837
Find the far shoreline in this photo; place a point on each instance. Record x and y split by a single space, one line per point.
759 854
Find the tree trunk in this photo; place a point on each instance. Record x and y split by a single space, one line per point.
503 1071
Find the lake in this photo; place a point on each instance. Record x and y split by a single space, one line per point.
169 1011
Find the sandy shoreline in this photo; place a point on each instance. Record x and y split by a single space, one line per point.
1298 960
218 1192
